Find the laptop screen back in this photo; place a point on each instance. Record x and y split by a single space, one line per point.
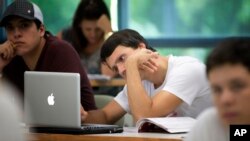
52 99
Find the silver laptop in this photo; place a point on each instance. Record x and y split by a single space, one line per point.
52 104
52 99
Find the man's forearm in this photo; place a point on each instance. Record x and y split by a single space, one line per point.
96 116
139 101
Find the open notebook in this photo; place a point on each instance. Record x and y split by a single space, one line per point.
52 104
165 124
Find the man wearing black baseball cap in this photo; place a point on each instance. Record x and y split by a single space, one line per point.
29 47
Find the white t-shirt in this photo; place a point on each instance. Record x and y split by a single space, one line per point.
208 128
186 79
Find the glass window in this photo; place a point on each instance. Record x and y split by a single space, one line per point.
185 27
3 5
189 18
57 14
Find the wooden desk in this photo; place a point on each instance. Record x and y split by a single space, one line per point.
112 82
107 137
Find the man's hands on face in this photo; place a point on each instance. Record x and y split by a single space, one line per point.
145 59
7 52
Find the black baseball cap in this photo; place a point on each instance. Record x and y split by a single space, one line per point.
24 9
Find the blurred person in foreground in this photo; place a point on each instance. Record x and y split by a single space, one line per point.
228 70
11 118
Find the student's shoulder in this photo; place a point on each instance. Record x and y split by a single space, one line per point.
192 66
208 127
208 117
65 34
57 44
60 49
180 60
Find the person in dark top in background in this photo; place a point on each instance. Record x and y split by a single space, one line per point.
30 48
90 27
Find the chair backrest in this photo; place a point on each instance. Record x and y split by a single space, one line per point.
102 100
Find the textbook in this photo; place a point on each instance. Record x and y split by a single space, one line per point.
165 124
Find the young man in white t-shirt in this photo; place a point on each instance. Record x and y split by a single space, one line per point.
157 86
228 70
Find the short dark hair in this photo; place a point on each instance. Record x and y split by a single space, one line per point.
126 37
38 23
234 50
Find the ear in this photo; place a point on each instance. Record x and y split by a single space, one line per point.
42 30
141 45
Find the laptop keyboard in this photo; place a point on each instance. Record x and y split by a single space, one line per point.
98 128
85 129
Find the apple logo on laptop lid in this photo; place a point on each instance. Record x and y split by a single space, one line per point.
51 99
